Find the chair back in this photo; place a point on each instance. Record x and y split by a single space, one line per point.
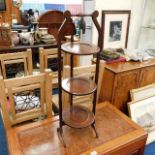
26 98
89 73
46 56
24 58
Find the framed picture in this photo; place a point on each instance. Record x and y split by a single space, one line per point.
142 112
143 92
115 28
2 5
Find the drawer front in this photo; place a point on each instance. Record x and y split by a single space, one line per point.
147 76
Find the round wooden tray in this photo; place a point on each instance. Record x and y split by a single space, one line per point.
78 117
78 86
80 48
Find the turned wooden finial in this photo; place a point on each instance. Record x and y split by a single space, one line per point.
95 13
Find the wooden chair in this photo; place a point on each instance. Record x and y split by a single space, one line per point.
87 72
45 55
32 92
16 58
48 54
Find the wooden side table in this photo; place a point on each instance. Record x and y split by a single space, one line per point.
119 78
118 136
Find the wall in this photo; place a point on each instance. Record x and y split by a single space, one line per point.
149 15
45 5
136 7
147 32
88 7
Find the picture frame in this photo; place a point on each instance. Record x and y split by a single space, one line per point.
115 28
2 5
143 92
142 112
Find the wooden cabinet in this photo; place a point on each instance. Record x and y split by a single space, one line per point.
120 78
124 82
147 76
6 16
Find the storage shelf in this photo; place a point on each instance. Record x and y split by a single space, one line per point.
78 117
78 86
80 48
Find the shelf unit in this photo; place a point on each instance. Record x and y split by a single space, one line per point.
77 116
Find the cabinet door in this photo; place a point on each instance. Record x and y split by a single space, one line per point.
147 76
124 82
107 86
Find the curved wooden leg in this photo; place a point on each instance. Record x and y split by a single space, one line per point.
94 127
60 132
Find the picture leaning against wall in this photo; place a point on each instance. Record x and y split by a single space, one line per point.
142 112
